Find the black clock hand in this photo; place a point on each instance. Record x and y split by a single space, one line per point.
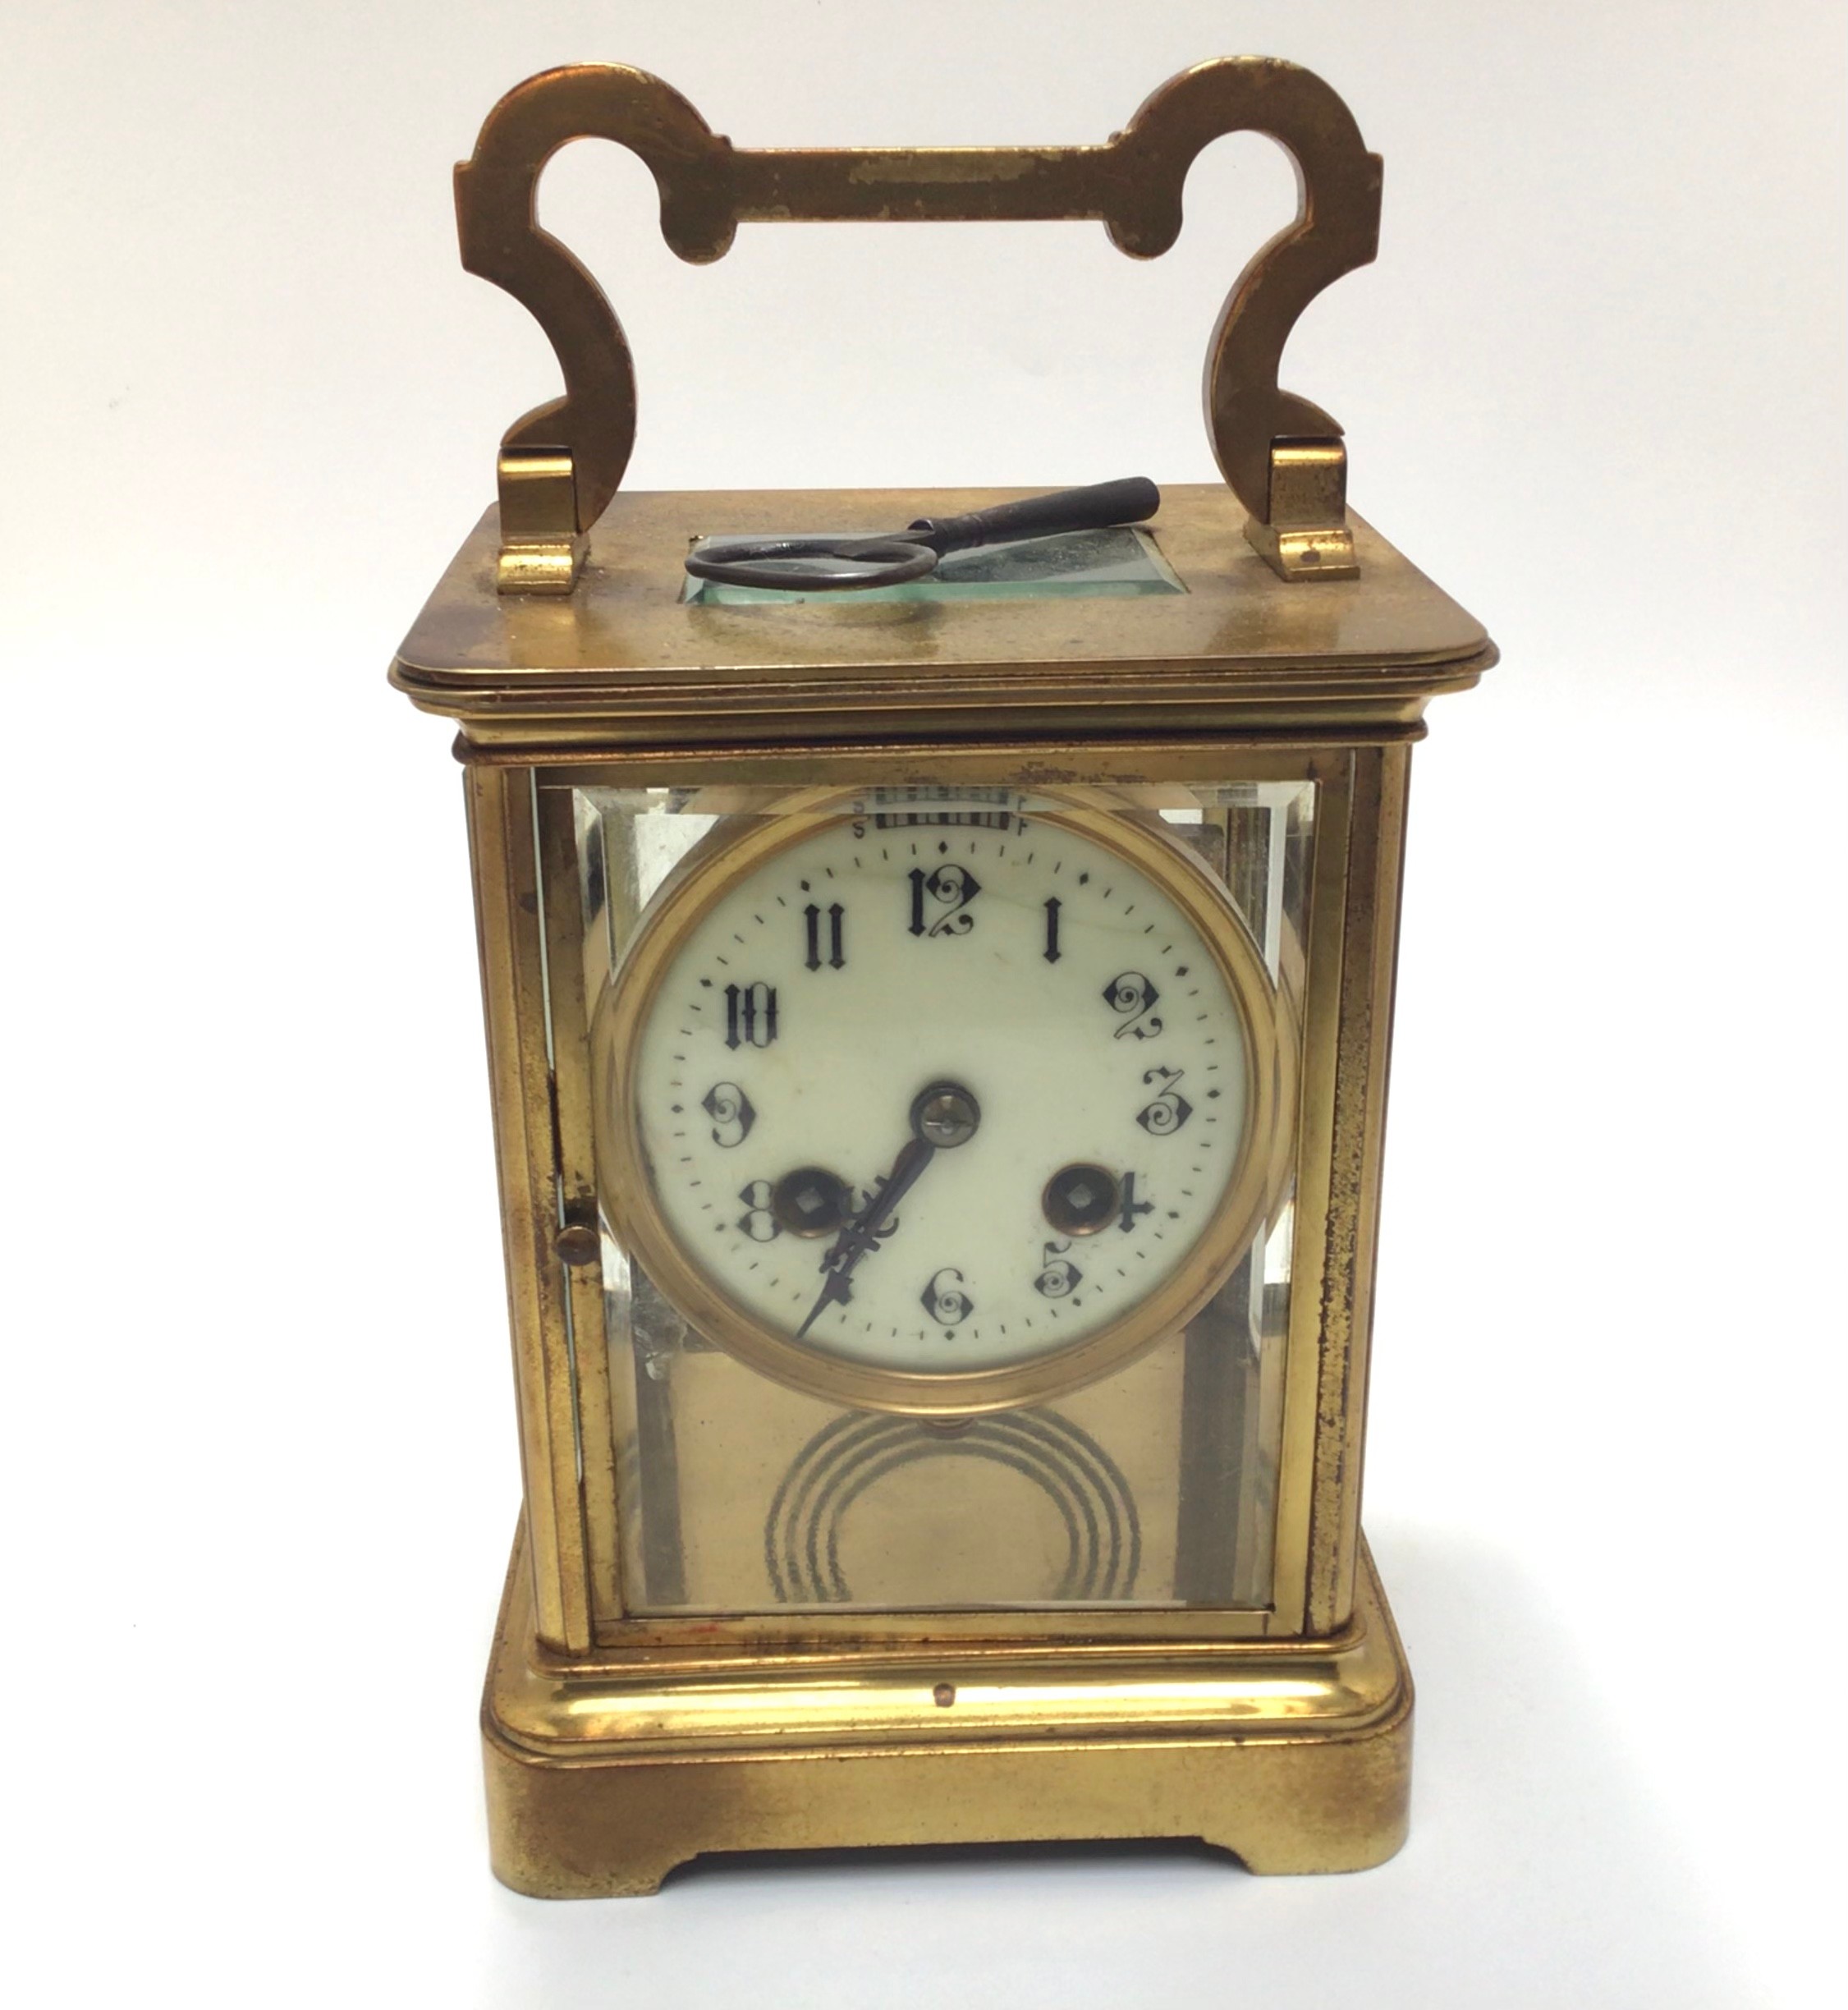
859 1237
943 1116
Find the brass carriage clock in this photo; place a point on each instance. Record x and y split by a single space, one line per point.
938 1032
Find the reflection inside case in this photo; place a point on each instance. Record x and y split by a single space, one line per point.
1143 1475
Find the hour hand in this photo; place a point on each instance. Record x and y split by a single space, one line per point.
861 1235
943 1116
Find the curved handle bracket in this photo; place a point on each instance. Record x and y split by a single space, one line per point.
1281 455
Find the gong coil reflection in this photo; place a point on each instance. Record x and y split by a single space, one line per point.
852 1455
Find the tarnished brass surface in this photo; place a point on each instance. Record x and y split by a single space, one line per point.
562 462
625 663
605 1771
1343 1316
1306 534
503 833
577 1242
538 496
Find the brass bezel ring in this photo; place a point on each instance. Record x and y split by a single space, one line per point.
1259 1175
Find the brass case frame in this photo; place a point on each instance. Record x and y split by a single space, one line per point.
613 1750
619 1744
1295 1755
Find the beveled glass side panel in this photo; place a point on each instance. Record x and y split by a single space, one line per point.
1151 1483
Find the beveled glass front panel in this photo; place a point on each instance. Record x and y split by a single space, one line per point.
1141 1473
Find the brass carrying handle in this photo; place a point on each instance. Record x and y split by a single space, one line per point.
1281 456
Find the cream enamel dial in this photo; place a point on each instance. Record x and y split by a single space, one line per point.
938 1110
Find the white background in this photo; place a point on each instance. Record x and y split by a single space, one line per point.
260 1463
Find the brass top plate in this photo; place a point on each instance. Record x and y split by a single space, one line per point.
624 662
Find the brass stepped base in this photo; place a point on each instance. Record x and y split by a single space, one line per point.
605 1771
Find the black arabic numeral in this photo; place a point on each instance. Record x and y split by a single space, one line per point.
751 1014
837 918
1133 997
940 900
731 1111
945 1303
1170 1109
758 1221
1058 1276
1132 1206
